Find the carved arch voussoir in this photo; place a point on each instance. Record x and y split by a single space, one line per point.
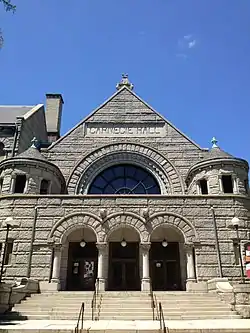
125 220
90 165
177 221
75 221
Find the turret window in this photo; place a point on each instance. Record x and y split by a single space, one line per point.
44 188
2 151
203 186
20 183
1 185
227 184
246 184
9 250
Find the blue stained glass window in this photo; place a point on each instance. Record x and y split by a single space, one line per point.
124 179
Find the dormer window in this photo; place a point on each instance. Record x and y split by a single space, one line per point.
227 184
203 186
44 187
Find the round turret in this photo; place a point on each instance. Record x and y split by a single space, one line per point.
218 173
30 173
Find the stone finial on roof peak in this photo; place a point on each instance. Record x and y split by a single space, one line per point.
124 82
214 141
34 142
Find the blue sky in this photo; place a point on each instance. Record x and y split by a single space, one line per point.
189 59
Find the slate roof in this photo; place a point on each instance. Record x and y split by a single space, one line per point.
217 152
32 152
8 114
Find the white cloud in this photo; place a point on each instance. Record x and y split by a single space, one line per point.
192 43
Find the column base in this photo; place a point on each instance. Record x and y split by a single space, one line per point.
101 284
145 284
54 285
193 286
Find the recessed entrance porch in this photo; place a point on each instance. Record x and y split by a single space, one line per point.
167 259
123 272
123 261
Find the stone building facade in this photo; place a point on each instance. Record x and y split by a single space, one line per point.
123 199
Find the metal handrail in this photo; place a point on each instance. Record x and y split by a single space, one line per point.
163 327
94 300
153 305
80 319
156 307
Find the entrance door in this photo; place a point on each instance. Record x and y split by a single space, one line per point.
82 266
165 266
123 267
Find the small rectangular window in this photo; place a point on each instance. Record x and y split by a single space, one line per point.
236 252
8 254
1 185
203 186
44 188
20 184
246 184
227 184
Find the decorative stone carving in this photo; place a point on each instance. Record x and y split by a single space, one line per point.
103 213
145 213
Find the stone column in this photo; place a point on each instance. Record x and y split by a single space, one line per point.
190 263
12 183
145 281
102 249
56 265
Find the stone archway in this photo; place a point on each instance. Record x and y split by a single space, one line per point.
182 224
173 236
92 164
66 232
123 220
71 222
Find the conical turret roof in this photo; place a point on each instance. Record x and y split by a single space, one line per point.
32 152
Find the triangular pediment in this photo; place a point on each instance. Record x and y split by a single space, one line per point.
126 114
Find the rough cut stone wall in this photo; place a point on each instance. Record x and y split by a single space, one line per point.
124 119
59 215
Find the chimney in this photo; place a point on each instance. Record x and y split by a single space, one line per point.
54 104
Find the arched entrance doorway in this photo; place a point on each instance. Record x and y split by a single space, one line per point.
82 260
167 259
124 260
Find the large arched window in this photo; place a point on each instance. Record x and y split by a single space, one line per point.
124 179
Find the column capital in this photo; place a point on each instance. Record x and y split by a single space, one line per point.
101 246
188 247
58 247
145 246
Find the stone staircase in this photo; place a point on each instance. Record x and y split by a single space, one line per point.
54 306
193 306
123 306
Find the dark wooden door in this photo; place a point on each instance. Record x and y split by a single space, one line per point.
165 266
82 267
124 267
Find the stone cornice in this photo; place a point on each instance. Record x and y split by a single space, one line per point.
128 196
